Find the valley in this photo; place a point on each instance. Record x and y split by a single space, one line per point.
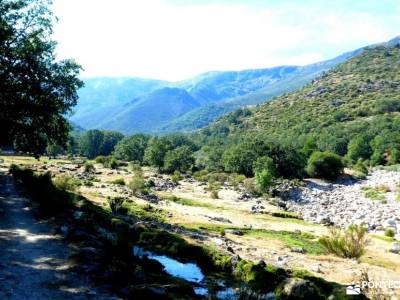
254 228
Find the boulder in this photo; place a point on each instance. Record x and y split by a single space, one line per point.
296 288
233 231
395 248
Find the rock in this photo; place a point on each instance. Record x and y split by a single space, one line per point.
296 288
235 259
316 268
395 248
298 250
220 219
230 249
233 231
262 264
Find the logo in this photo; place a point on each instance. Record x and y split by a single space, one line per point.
353 289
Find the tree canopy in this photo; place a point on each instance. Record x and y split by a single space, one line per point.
36 90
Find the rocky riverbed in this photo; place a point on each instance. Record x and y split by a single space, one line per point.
345 202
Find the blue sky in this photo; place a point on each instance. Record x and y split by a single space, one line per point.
177 39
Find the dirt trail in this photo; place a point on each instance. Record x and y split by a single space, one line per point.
33 261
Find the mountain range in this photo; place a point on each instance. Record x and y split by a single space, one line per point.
131 105
358 97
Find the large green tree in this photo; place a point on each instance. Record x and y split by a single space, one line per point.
36 90
132 148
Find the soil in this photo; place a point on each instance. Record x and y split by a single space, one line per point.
34 262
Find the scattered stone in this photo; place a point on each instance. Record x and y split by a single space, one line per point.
296 288
395 248
316 268
233 231
220 219
298 250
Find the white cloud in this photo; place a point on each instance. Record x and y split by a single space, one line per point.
155 38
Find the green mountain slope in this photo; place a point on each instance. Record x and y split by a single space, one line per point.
360 96
289 81
105 96
147 113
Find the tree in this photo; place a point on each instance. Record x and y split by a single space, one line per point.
326 165
110 140
309 147
358 148
132 148
180 159
36 90
239 159
155 152
265 163
91 143
263 180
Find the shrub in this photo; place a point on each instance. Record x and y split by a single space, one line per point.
326 165
264 163
89 167
263 180
389 232
217 177
201 175
113 164
350 243
119 181
236 179
66 183
214 194
101 159
176 177
360 167
250 186
135 168
116 204
138 185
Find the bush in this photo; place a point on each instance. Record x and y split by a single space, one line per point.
214 194
389 232
249 186
138 185
176 177
89 167
119 181
236 179
116 204
326 165
360 167
350 243
263 180
264 163
101 159
66 183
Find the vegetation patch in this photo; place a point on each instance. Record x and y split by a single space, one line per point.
375 193
189 202
349 243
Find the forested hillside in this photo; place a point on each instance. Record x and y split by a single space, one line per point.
359 98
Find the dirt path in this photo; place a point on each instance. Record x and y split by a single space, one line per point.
33 261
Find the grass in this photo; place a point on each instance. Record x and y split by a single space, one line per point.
382 237
375 193
303 240
189 202
290 239
349 243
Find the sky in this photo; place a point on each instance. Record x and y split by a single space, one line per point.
177 39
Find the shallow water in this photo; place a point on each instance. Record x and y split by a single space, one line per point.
189 272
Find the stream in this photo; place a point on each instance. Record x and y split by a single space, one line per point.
191 273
